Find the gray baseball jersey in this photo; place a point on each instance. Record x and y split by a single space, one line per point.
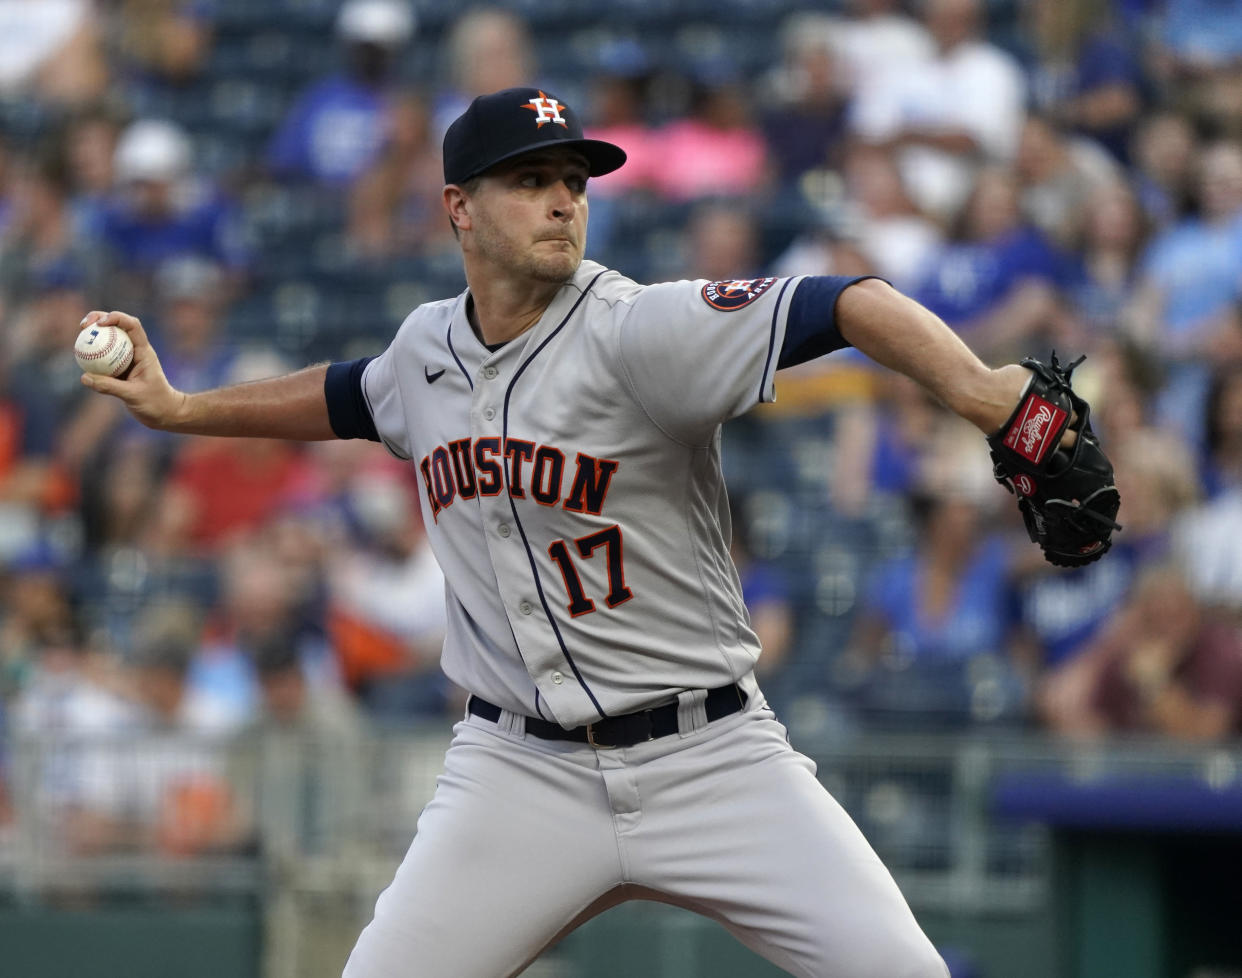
573 492
573 496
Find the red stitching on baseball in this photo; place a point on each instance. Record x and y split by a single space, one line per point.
102 352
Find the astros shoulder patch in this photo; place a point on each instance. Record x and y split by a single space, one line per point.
735 293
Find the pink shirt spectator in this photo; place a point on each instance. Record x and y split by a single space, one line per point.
699 160
642 162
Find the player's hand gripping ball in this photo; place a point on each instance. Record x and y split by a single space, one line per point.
1066 495
104 350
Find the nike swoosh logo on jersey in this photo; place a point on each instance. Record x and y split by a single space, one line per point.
432 378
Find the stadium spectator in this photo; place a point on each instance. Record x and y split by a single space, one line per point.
169 790
394 206
1083 75
1209 538
876 38
386 603
932 637
61 429
905 423
766 593
1063 611
1209 552
618 114
164 42
1060 175
190 296
1165 151
1221 466
90 139
834 247
42 233
181 680
1185 308
721 241
337 129
76 725
1196 60
998 283
804 120
160 208
306 748
1164 666
488 49
1113 235
7 175
52 51
265 593
35 606
717 150
898 242
220 491
964 105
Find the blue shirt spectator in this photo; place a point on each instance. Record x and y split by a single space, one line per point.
160 208
972 277
337 128
975 621
1194 265
206 224
1203 32
1064 611
334 132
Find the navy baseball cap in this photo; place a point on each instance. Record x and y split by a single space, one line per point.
508 123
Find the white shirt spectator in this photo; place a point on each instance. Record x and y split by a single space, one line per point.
1208 543
31 32
974 88
871 47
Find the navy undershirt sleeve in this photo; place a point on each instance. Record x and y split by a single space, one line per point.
348 412
811 328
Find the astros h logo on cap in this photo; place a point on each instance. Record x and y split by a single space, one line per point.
546 110
514 121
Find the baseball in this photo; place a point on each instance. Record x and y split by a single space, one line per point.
104 350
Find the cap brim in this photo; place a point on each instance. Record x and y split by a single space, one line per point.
602 157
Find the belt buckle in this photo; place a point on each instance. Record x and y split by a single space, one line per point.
590 730
650 735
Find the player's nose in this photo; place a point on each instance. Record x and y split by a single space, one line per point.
562 201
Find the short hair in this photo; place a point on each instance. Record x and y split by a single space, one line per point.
167 636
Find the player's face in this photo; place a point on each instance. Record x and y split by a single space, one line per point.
529 216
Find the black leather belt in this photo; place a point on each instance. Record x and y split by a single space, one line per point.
621 731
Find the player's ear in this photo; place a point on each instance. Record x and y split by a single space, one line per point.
455 202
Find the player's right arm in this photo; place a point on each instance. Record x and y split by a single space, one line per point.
291 407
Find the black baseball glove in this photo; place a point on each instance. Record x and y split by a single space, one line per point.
1066 495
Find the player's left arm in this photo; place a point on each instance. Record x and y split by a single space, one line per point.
899 333
1038 429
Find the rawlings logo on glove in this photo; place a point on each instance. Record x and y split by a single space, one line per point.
1065 494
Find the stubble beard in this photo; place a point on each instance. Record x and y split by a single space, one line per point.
500 249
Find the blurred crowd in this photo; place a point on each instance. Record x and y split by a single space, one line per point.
260 182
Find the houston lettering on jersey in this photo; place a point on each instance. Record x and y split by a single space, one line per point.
464 469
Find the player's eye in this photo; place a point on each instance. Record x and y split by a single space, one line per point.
576 183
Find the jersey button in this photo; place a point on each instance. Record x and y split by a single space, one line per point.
489 413
503 529
490 373
526 607
557 679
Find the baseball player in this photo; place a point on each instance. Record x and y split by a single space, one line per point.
565 423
